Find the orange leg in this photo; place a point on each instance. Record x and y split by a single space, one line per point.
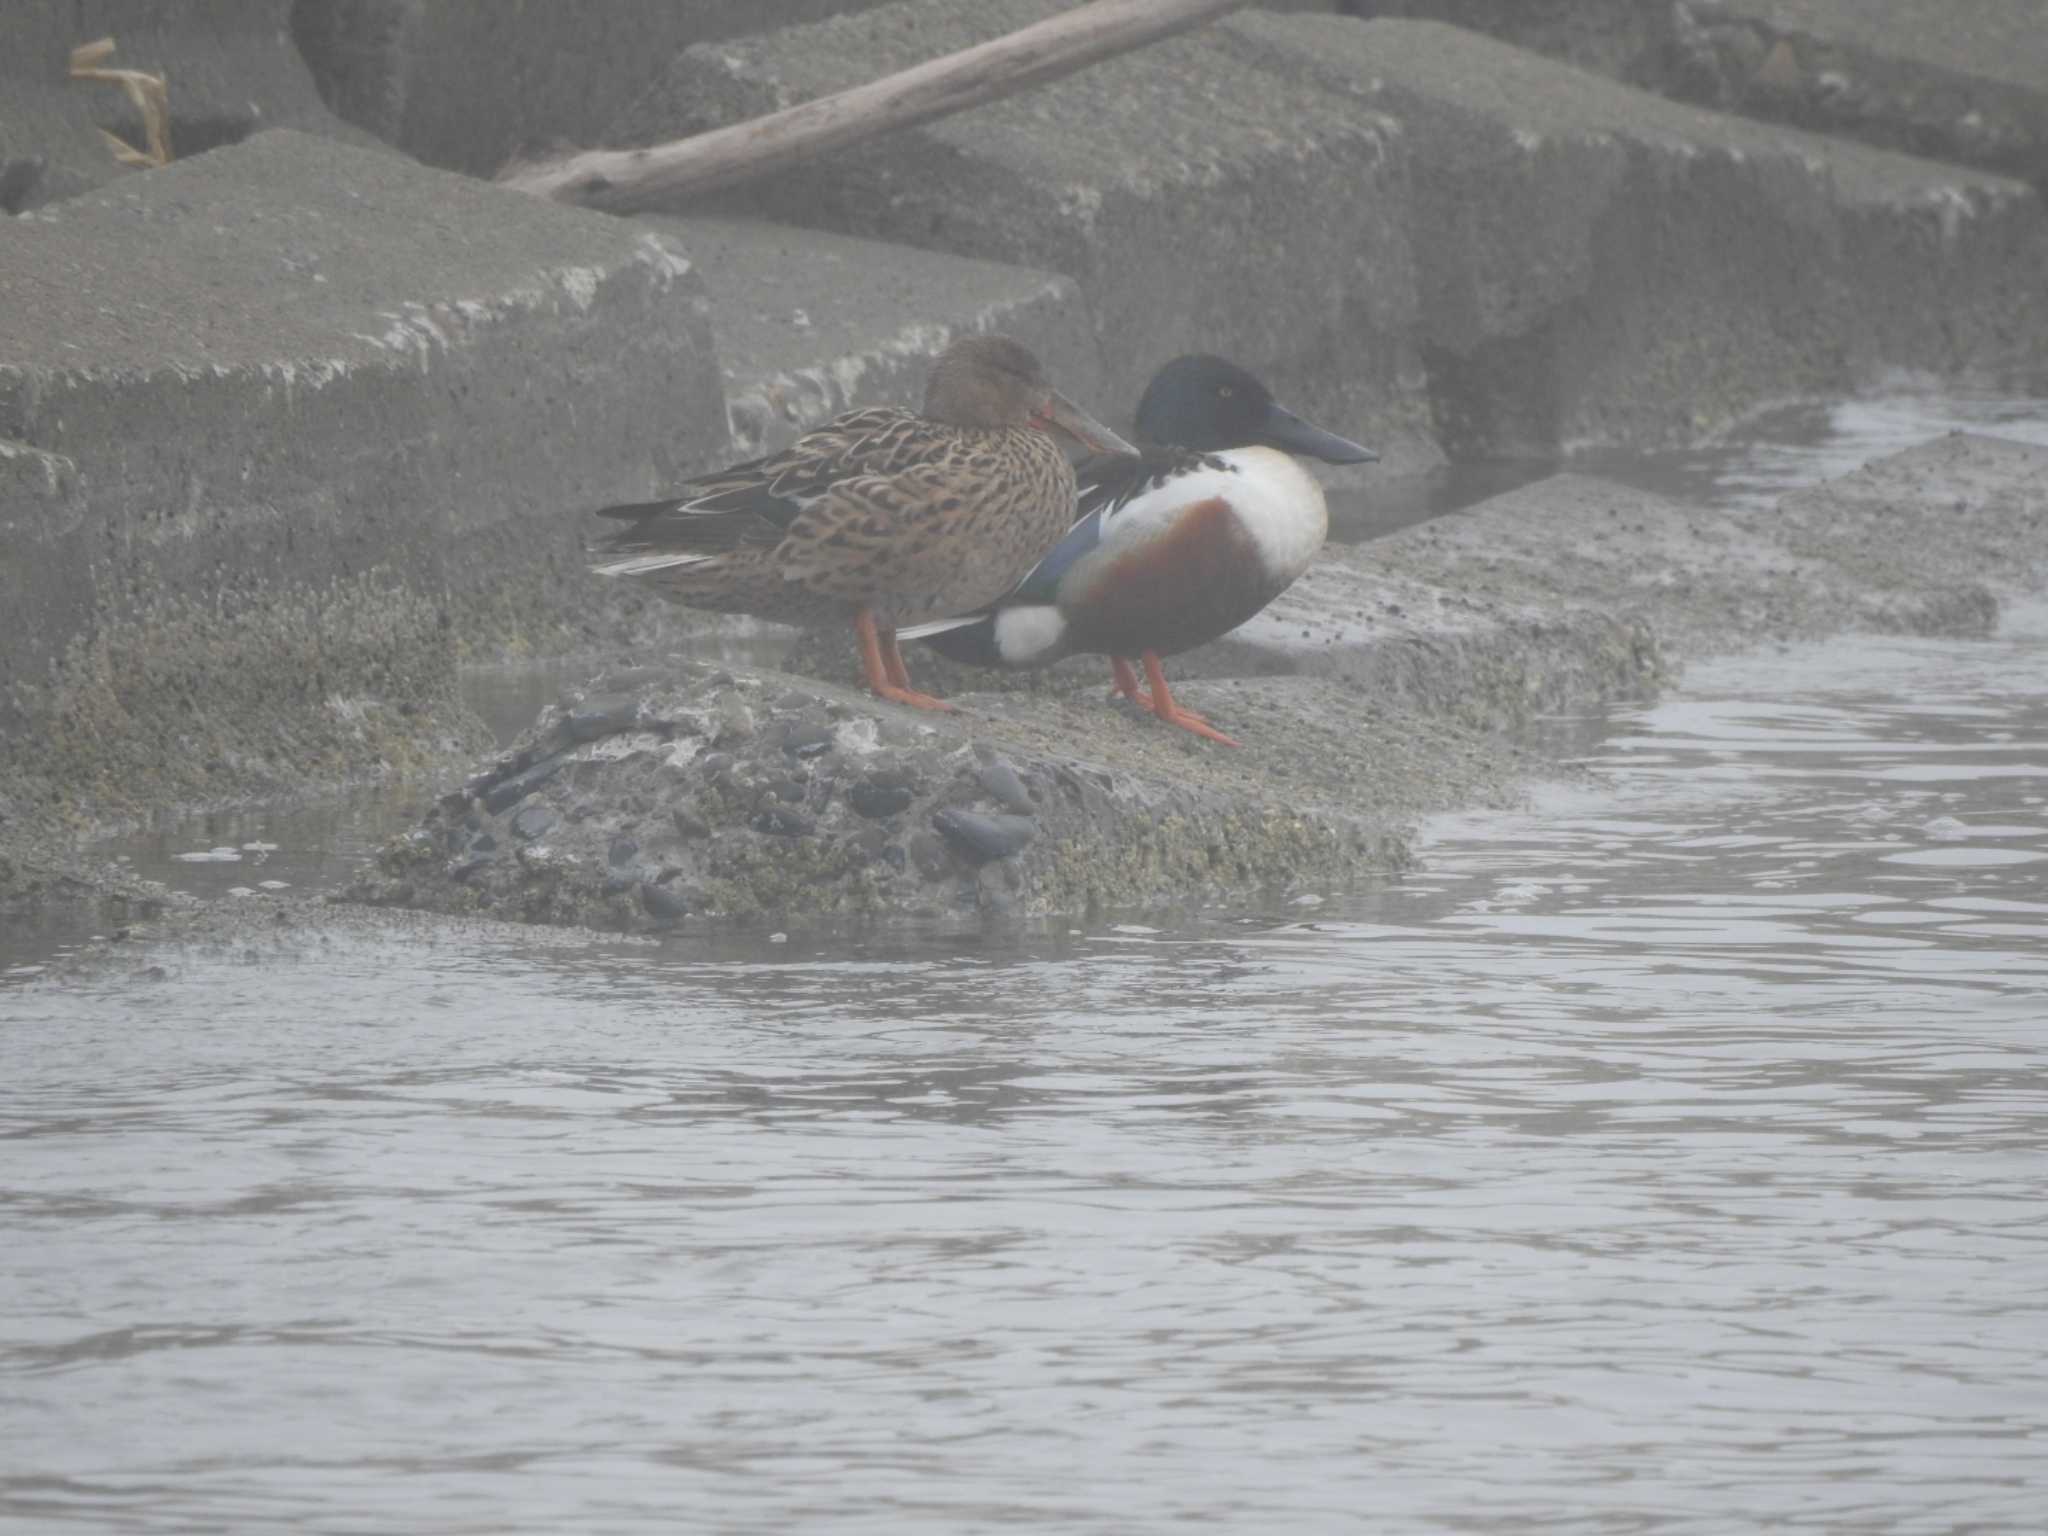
1161 704
882 666
1126 683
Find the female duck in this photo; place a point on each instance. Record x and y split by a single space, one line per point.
881 516
1175 545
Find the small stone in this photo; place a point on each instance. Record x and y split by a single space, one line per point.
534 822
735 720
983 838
624 850
689 823
1002 785
484 842
781 821
715 764
661 903
605 715
810 741
510 792
468 868
876 801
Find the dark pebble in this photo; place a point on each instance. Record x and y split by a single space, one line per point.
606 715
689 823
809 741
1002 785
535 821
622 851
469 867
484 843
982 838
508 794
898 777
661 903
712 764
781 821
789 791
875 801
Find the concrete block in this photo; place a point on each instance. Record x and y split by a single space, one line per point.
1599 264
1963 80
1201 198
229 64
810 324
468 84
289 425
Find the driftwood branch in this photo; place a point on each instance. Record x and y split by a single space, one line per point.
626 179
149 93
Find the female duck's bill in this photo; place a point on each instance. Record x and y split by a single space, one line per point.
1174 545
880 514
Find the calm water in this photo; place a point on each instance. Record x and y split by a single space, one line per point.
1663 1158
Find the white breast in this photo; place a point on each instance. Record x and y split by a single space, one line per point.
1277 502
1281 506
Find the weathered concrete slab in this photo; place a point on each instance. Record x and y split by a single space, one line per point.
810 324
1924 542
675 795
1962 80
230 66
1200 197
468 84
1599 264
292 423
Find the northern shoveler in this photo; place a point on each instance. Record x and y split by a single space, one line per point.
1174 545
881 516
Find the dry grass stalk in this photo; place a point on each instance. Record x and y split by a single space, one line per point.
150 93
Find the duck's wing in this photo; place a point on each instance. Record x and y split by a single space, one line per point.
1107 485
756 503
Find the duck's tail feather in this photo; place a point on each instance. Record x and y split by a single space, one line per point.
641 565
1020 635
932 627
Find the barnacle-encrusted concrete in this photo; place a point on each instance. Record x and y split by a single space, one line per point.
1385 684
283 430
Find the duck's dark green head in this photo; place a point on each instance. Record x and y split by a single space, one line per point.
1210 404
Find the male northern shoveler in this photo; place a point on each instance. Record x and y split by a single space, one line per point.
880 516
1175 545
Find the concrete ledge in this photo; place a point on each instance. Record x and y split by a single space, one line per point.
230 65
1963 80
292 425
811 324
467 84
1599 264
1201 199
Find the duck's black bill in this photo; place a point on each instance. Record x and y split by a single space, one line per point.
1286 430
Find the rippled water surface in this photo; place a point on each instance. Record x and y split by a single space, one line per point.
1666 1157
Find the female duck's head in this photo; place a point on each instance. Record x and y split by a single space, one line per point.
993 382
1210 404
